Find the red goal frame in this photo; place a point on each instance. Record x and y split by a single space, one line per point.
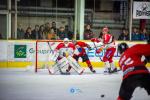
36 51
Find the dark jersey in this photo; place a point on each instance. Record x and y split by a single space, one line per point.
81 48
130 61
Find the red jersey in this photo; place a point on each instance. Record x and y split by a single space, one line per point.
62 45
69 49
81 48
107 40
131 60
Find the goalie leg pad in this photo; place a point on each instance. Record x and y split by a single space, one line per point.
53 56
74 64
59 65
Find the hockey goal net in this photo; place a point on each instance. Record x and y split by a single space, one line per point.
44 52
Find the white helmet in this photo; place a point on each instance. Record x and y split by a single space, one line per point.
66 40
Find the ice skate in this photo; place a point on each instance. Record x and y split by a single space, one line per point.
107 71
93 71
114 70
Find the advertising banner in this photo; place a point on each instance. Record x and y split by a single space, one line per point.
20 51
141 10
25 51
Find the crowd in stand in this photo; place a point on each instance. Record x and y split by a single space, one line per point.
137 35
51 32
47 31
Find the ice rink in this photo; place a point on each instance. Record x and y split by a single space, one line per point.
27 85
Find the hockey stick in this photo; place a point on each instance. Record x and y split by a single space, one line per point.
113 72
61 72
97 49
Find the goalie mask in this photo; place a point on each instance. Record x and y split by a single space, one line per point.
66 42
122 47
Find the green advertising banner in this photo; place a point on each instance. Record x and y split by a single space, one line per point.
20 51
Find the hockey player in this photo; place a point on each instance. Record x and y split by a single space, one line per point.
65 58
65 48
110 47
135 74
82 53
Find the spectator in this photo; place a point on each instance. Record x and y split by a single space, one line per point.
28 33
35 33
143 34
124 35
49 34
41 32
88 33
20 32
1 37
70 34
61 33
148 36
54 27
135 34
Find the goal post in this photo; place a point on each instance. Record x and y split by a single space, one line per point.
43 53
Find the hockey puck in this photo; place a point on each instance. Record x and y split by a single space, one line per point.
102 95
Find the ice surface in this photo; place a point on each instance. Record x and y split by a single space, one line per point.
26 85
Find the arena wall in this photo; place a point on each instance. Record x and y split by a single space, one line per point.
20 54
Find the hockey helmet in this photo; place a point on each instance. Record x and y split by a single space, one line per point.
66 40
122 47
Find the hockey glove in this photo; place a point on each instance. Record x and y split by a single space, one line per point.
95 40
99 50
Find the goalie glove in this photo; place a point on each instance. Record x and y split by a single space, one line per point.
53 56
89 48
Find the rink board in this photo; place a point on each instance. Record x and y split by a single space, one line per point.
21 53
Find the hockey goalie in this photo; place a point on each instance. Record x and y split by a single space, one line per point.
63 57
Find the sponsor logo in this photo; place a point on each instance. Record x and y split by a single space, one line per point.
90 53
43 51
75 90
143 10
20 51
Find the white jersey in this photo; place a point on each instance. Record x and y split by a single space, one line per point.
65 50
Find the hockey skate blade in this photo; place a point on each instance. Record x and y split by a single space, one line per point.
65 73
116 71
81 71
